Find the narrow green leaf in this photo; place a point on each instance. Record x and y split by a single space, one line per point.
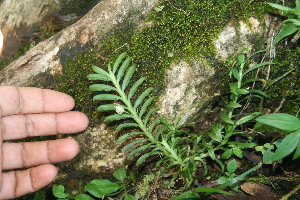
258 92
132 144
145 105
257 66
123 68
120 174
106 97
235 73
233 104
281 7
226 119
101 87
141 98
281 121
128 76
106 107
296 22
255 53
98 77
100 71
147 118
135 87
83 197
141 148
286 30
59 191
126 125
153 124
242 91
118 61
127 135
254 80
247 118
287 146
101 187
116 117
213 136
297 152
145 156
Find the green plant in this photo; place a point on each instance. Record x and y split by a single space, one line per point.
292 24
289 127
152 136
99 188
230 175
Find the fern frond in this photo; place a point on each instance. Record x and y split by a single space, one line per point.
128 76
123 68
107 107
145 156
118 61
126 125
135 86
147 118
116 117
127 135
106 97
98 77
101 87
100 71
139 149
141 98
132 144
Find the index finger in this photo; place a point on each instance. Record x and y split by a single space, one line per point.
26 100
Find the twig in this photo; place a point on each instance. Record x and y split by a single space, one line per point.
288 195
280 105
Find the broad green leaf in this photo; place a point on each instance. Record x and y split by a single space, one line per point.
125 136
98 77
145 106
231 166
83 197
132 144
59 191
227 154
287 146
147 118
215 137
233 104
101 187
212 190
281 121
135 86
128 196
257 66
106 97
241 58
123 68
101 87
235 73
126 125
242 91
100 71
106 107
40 195
118 61
247 118
116 117
297 152
226 119
298 8
141 148
233 87
222 180
267 156
120 174
286 30
281 7
237 152
141 98
128 76
258 92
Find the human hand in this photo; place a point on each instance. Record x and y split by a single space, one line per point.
29 112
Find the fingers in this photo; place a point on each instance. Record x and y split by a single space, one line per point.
24 100
28 154
18 183
21 126
1 42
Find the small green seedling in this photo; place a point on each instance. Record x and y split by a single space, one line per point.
230 175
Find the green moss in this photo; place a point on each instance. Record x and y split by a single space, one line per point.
180 30
73 81
288 87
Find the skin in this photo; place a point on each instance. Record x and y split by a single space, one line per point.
29 112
